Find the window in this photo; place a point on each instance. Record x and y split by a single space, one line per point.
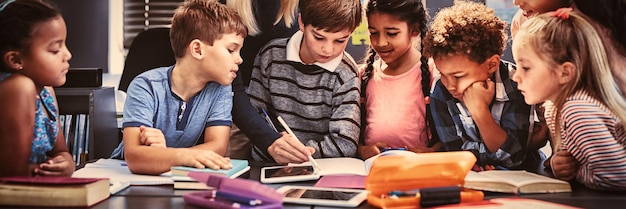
140 15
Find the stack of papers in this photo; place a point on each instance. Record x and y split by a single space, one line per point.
119 175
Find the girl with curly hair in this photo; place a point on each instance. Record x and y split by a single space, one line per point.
475 105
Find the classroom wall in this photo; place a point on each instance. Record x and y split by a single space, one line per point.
357 46
87 32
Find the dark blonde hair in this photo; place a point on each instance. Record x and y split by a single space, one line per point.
558 40
206 20
331 15
466 28
17 20
286 12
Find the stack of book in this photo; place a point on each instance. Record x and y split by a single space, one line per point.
182 181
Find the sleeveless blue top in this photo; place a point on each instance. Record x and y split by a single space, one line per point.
46 128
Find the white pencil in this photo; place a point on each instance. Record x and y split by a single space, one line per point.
282 122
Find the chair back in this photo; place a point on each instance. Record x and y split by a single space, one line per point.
150 49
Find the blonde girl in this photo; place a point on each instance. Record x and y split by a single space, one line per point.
561 59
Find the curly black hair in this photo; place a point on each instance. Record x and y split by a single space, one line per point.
466 28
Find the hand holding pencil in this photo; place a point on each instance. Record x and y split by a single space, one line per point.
288 148
282 122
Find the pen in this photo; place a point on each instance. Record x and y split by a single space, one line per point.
282 122
238 199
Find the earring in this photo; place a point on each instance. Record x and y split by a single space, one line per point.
20 68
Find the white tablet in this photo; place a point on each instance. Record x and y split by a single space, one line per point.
322 196
290 173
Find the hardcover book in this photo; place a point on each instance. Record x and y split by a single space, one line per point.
53 191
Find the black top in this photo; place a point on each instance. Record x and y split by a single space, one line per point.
245 116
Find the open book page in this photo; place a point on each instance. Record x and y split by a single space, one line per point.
117 171
514 182
339 165
349 173
370 161
517 178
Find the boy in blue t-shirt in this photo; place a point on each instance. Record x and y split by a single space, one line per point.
311 82
181 115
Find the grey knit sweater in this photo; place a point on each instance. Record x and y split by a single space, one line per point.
320 106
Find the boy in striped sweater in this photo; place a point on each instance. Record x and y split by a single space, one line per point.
312 83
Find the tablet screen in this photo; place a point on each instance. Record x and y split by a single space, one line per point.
320 194
288 171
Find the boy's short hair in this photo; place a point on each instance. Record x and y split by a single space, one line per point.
206 20
466 28
331 15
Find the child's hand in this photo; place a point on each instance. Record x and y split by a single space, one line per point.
564 166
288 149
59 165
368 151
479 95
200 158
151 137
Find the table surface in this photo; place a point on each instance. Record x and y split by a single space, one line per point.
166 197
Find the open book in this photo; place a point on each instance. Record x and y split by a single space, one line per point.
348 165
349 172
517 182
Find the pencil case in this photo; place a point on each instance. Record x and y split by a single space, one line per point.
232 193
427 179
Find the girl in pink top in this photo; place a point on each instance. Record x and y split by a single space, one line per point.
395 88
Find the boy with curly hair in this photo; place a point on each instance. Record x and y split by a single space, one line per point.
475 104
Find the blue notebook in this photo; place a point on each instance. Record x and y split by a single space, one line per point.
239 167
